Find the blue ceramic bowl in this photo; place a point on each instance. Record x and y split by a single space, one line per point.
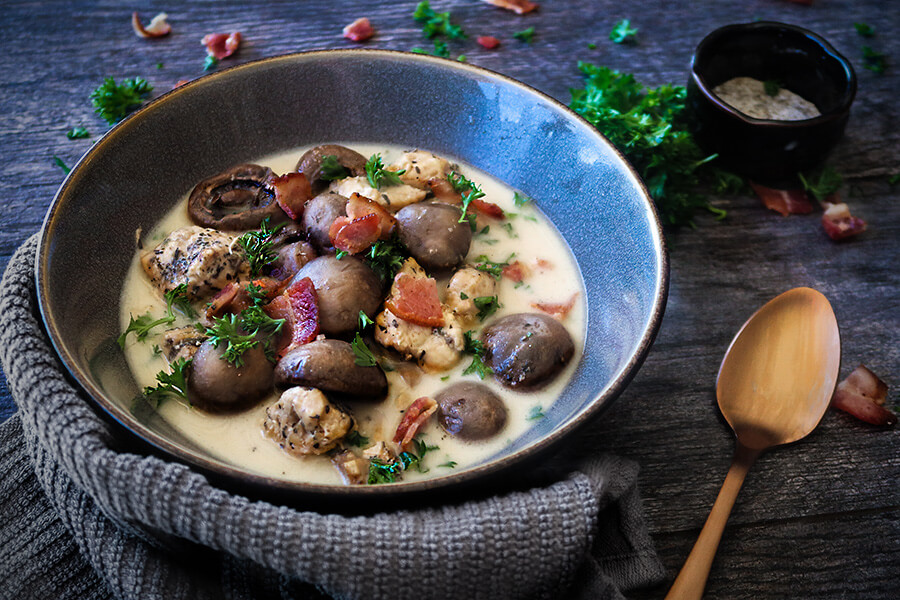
136 173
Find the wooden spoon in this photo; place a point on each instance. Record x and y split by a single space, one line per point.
774 385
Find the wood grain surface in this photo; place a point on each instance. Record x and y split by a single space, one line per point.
818 519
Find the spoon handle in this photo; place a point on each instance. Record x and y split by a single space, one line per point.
691 581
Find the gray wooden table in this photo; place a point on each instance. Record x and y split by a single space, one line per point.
819 519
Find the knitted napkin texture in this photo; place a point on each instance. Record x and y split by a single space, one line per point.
83 516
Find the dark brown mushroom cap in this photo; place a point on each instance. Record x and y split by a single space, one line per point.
470 411
330 365
310 164
319 214
434 235
344 287
526 349
217 385
235 200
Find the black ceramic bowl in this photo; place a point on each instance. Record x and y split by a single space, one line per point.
800 61
140 169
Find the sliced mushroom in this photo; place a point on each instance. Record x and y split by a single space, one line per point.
310 163
330 365
234 200
470 411
527 349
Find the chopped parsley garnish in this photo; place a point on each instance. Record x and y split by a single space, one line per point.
461 58
520 199
364 356
331 169
623 32
486 305
176 297
771 87
228 330
77 133
258 246
483 263
450 464
823 183
210 62
648 125
257 294
383 472
112 101
894 179
378 176
526 35
476 349
159 65
874 61
355 438
364 320
510 230
864 29
435 24
340 254
592 46
59 163
536 413
385 257
469 191
170 385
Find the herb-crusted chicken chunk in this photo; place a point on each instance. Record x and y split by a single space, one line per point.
419 167
205 260
393 197
303 422
465 286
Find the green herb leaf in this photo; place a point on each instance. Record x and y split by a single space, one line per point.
259 247
364 320
476 348
364 356
383 472
378 176
510 230
874 61
526 35
592 46
864 29
228 330
772 87
469 190
385 257
77 133
823 183
141 327
435 24
177 298
331 169
257 294
59 163
340 254
536 413
112 101
486 305
170 385
520 199
355 438
449 464
622 32
483 263
894 179
210 62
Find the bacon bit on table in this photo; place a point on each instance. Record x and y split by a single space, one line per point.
222 45
488 209
355 235
558 310
292 190
862 394
359 30
488 41
786 202
515 271
158 26
415 299
838 222
360 206
298 305
520 7
443 191
413 419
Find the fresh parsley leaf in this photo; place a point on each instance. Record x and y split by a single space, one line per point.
364 356
469 190
228 330
257 320
385 257
486 305
771 87
364 320
59 163
592 46
112 101
526 35
461 58
331 169
259 247
510 230
894 179
257 294
77 133
177 298
874 61
355 438
159 65
476 348
483 263
485 230
170 385
864 29
623 32
450 464
441 49
383 472
141 327
210 62
536 413
340 254
378 176
822 183
520 199
435 24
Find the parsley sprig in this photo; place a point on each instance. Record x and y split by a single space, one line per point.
483 263
822 183
486 305
331 168
242 332
623 33
469 190
435 23
364 356
259 246
175 298
386 257
476 349
170 385
378 176
112 101
381 471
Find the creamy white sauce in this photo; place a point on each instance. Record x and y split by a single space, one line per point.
238 439
749 96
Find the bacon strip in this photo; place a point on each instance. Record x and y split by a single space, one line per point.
515 271
786 202
292 190
488 41
413 419
157 28
359 30
838 222
415 299
234 297
222 45
520 7
558 310
298 305
360 206
443 191
488 209
355 235
862 394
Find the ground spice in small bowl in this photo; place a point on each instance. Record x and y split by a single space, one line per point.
765 100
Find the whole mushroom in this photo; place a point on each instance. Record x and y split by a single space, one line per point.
319 214
526 349
234 200
218 385
344 287
311 163
434 235
330 365
470 411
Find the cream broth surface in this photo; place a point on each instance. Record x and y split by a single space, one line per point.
237 439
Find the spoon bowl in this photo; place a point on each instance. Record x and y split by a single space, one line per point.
773 388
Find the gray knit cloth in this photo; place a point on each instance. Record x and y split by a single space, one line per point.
82 516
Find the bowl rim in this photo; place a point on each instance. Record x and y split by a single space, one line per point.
256 482
850 87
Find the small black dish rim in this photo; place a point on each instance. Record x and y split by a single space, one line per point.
836 113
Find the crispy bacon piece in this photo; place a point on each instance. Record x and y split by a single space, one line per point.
415 299
356 235
488 41
413 419
359 30
838 222
292 190
488 209
158 26
862 394
515 271
222 45
520 7
786 202
234 297
443 191
557 310
360 206
543 263
298 305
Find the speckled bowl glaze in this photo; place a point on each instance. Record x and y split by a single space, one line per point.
136 173
804 63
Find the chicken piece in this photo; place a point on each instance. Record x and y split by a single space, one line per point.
304 422
467 284
381 452
433 348
182 342
392 197
205 259
354 470
420 166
